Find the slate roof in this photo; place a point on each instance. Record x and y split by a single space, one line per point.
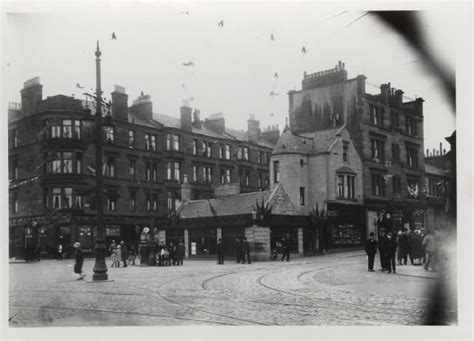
203 129
430 169
307 143
223 206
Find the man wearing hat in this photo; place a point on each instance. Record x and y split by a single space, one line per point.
371 250
79 257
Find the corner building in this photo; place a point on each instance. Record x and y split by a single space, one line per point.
387 133
146 158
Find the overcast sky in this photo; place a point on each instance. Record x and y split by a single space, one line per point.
234 65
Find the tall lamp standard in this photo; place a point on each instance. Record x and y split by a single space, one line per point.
100 268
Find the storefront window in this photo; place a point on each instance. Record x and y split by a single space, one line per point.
202 241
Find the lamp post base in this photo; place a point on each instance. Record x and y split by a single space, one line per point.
100 268
100 277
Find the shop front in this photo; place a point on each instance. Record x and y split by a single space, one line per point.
202 241
346 225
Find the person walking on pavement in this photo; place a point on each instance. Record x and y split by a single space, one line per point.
180 252
220 251
112 247
403 247
238 250
60 251
390 250
246 250
429 244
132 254
124 253
172 251
371 250
79 261
382 242
285 243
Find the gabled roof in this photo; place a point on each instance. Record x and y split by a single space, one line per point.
316 142
238 204
223 206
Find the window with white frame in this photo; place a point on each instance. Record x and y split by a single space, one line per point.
131 139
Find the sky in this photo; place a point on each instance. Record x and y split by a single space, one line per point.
234 65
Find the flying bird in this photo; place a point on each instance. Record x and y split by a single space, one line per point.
184 12
114 37
190 63
183 86
272 37
272 114
273 94
275 75
303 50
220 24
79 86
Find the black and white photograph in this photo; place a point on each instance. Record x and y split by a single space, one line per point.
237 169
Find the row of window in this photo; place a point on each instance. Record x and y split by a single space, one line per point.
377 118
378 152
380 181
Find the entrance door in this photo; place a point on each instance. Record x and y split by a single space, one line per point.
228 239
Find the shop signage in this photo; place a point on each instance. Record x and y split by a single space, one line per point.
112 230
25 221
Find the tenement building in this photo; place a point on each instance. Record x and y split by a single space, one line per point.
387 133
146 157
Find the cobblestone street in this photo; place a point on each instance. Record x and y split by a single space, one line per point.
334 289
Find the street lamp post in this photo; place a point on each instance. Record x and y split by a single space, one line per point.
100 268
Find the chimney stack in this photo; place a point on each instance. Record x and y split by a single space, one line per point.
385 92
398 98
31 94
253 129
119 103
216 122
143 106
186 117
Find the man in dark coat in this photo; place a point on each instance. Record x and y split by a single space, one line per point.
383 260
390 250
285 244
124 253
246 250
403 247
220 252
238 250
371 250
180 252
79 261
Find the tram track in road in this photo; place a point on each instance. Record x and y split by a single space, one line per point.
340 304
113 312
168 299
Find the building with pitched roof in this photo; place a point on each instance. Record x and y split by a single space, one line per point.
387 132
322 171
146 158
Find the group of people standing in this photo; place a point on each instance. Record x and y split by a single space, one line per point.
404 245
120 253
171 254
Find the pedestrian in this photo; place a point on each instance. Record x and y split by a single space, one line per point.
79 261
238 249
285 243
37 252
371 250
246 250
412 246
132 254
399 235
390 250
112 247
172 251
220 251
382 242
60 251
124 253
180 252
429 244
162 249
403 247
118 255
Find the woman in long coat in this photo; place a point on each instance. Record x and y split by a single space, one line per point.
79 258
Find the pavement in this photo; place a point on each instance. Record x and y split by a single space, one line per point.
329 290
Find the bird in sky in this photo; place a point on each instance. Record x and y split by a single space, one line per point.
79 86
273 94
272 114
183 86
184 12
303 50
272 37
275 75
114 37
220 24
189 63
